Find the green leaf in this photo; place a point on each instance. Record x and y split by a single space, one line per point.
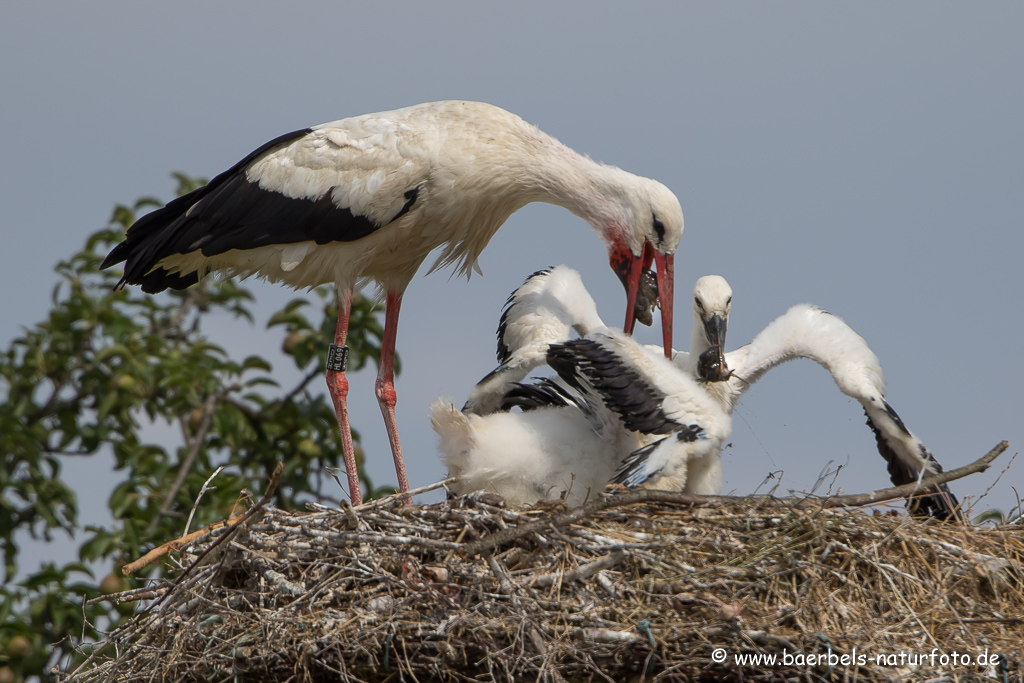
256 363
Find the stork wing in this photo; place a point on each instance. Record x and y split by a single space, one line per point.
544 392
596 367
650 396
333 183
653 459
806 331
625 367
544 310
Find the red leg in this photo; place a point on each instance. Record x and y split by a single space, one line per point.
337 384
386 395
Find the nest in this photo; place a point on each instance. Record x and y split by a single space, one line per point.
624 589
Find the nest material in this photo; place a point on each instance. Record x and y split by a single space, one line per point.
467 590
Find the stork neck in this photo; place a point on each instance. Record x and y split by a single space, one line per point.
579 184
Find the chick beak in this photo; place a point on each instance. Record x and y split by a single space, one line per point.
715 329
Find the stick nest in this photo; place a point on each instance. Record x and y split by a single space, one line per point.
468 590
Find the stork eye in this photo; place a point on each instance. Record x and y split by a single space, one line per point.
697 303
728 302
659 228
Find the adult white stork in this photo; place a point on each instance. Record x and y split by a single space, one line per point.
616 397
368 197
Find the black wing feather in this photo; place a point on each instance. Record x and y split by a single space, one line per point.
231 212
938 502
504 352
544 393
622 390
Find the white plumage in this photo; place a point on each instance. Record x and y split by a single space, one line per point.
369 197
549 452
680 427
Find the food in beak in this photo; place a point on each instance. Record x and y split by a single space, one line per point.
646 297
711 366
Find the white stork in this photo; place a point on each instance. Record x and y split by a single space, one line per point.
368 197
616 397
805 331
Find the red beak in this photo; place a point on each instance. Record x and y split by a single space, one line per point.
665 264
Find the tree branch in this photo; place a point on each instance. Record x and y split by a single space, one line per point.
204 426
907 490
295 392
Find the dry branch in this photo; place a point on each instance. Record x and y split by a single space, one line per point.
175 545
209 405
906 490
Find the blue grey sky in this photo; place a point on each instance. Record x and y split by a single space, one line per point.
868 158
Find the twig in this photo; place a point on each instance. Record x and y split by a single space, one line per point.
860 499
275 479
582 572
173 546
399 496
996 481
500 573
133 595
344 538
206 487
991 620
317 370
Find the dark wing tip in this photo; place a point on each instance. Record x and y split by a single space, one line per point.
160 280
937 502
163 231
117 255
631 472
562 359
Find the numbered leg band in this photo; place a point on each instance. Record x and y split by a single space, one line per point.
337 358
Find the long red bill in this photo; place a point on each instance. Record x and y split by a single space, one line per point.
665 264
632 282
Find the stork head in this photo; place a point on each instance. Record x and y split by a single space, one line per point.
712 299
648 231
